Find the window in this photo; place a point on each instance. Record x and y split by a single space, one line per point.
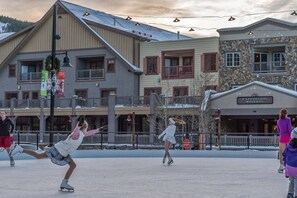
110 65
260 62
151 64
278 59
12 71
96 64
25 95
149 91
81 93
187 61
180 91
171 66
31 70
209 62
104 96
232 59
35 95
90 68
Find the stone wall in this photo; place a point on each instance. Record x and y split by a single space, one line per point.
244 73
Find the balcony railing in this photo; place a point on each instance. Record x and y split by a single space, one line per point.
173 102
269 67
90 74
30 77
178 72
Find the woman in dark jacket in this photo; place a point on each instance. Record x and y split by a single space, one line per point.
6 135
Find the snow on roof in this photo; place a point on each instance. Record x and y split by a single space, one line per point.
141 30
5 35
272 87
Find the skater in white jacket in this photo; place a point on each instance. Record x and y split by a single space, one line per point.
168 139
60 152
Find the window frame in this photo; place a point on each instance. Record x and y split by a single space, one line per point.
108 64
232 59
12 71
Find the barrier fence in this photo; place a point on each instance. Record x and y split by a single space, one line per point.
128 140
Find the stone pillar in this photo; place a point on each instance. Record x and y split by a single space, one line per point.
111 118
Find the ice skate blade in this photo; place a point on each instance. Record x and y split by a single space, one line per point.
170 163
66 190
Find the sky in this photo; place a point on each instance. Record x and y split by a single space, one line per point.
204 16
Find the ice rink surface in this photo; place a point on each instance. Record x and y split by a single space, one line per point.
141 174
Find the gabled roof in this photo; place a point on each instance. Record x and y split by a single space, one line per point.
260 84
263 21
144 31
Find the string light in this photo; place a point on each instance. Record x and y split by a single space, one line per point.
86 14
294 13
176 20
231 18
191 30
128 18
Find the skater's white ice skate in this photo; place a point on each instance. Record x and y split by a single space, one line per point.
65 186
281 168
2 149
170 161
17 149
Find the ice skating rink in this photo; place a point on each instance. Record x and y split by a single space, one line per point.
140 174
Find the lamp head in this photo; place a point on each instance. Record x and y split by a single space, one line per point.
66 62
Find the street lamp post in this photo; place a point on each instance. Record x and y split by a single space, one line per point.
53 76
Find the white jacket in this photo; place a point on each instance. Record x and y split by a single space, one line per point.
169 131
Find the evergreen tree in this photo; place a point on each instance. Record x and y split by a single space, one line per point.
13 25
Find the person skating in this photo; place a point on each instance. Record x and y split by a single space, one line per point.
168 139
290 163
60 152
6 135
284 129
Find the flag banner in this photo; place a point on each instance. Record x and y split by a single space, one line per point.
61 77
44 77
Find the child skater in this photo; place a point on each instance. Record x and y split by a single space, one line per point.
290 163
168 140
60 152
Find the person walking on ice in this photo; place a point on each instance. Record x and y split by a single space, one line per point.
6 136
60 152
168 139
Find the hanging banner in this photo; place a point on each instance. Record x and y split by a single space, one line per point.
61 77
44 77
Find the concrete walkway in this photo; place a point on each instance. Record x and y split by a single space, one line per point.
138 173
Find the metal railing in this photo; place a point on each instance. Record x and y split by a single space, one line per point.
128 140
269 67
172 101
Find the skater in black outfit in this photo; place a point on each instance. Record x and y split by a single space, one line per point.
60 152
6 135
